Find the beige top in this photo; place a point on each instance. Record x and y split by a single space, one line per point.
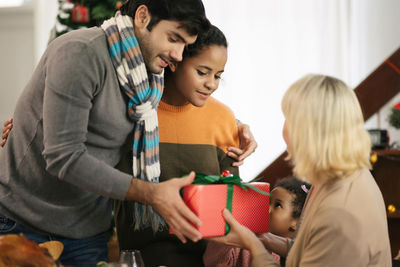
344 225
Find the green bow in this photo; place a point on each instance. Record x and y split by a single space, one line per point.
230 181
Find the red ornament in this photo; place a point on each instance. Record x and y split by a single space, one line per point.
397 106
80 14
118 5
225 173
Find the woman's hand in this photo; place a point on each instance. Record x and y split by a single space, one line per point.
247 145
240 236
274 243
6 131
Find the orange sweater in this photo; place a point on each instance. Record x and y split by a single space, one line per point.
197 139
191 138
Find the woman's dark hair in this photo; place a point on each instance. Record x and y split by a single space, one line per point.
213 36
299 189
190 13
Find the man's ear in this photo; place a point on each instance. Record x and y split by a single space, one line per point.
142 17
172 66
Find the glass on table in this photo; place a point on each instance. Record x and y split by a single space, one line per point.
132 258
111 264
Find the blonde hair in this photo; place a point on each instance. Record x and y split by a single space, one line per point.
325 129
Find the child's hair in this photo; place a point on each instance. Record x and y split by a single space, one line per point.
299 189
213 36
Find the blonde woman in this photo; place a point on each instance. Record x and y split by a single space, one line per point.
343 222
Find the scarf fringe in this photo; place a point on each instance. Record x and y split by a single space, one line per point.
144 217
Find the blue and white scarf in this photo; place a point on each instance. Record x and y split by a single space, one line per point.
144 91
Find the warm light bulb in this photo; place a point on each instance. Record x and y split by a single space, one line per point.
391 208
374 158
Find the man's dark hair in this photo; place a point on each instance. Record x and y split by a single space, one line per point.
190 13
299 189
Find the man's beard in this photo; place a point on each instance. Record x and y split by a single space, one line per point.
148 54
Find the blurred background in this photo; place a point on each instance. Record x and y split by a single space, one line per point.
272 43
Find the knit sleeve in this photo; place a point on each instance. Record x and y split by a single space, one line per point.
226 134
70 90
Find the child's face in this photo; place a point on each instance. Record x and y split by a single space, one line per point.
197 77
280 212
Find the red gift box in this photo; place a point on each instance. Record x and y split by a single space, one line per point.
249 207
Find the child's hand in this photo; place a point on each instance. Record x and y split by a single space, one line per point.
247 145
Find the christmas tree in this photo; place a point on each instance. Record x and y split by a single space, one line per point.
74 15
394 116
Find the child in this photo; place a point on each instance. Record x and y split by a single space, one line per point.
286 202
195 131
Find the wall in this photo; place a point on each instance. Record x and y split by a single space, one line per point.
17 55
273 43
24 32
375 36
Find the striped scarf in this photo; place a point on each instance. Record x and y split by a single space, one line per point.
144 91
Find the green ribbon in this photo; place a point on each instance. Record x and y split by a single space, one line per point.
230 181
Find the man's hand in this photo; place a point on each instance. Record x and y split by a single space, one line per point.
165 199
6 131
247 145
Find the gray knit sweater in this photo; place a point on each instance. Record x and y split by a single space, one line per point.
57 169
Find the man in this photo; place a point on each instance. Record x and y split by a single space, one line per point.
57 171
56 174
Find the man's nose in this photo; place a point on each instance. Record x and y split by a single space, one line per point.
176 54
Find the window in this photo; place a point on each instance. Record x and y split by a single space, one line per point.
14 3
